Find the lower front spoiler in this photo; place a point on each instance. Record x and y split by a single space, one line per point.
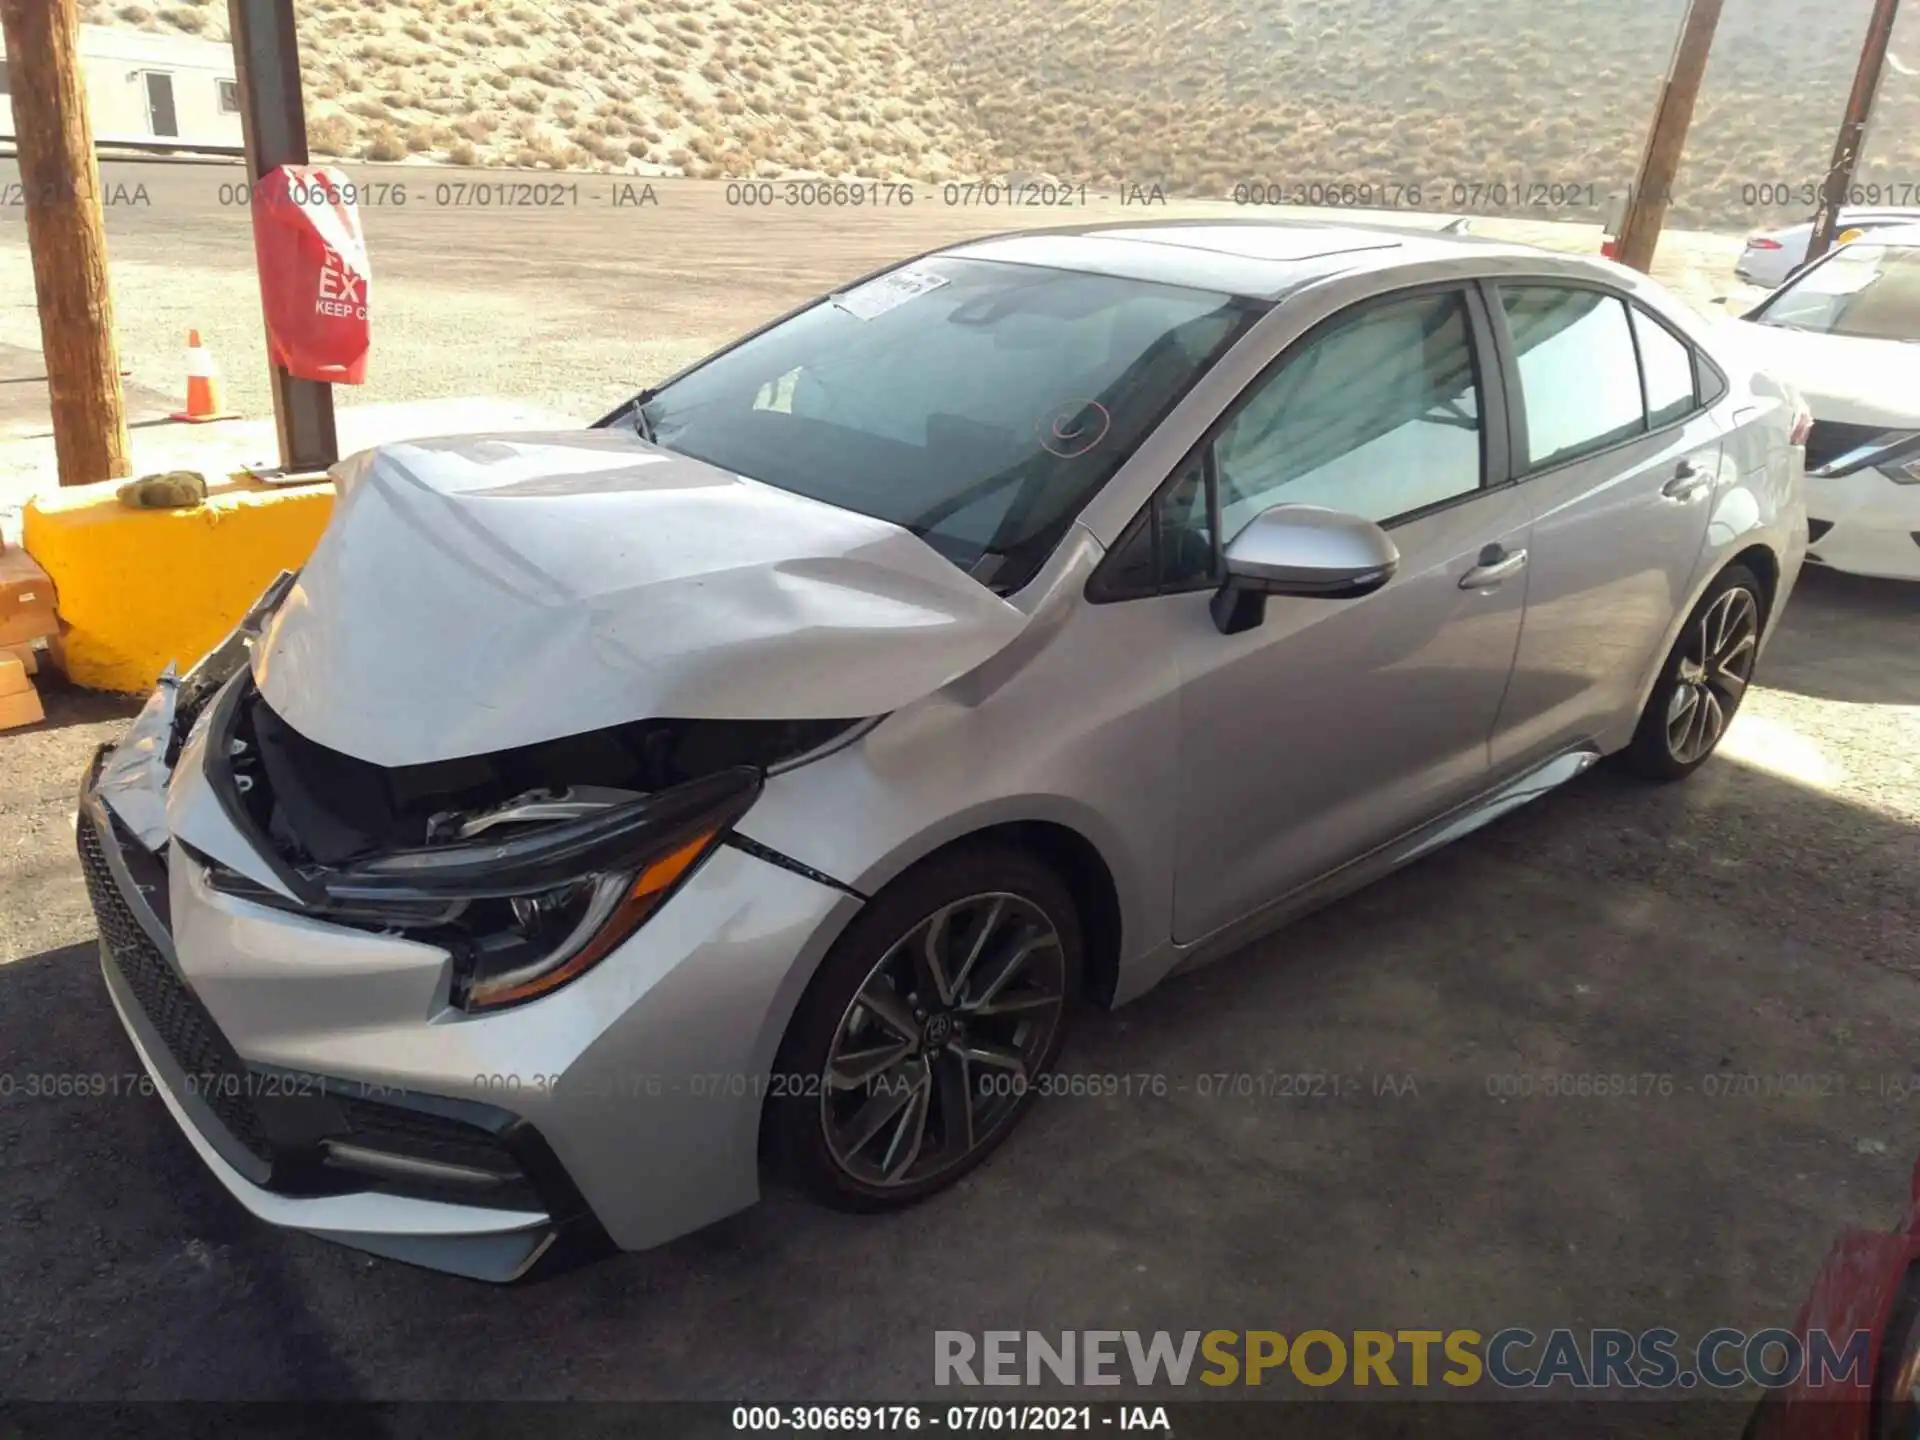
493 1245
527 1237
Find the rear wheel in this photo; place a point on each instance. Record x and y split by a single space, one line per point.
1703 682
917 1046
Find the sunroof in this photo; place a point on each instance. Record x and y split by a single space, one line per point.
1257 242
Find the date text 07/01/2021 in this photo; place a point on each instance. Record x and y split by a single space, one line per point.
960 1419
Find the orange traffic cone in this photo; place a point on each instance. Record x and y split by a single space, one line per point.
203 385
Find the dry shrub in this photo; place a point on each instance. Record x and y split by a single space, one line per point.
384 144
462 152
329 134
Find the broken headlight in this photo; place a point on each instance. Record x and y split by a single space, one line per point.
525 914
529 914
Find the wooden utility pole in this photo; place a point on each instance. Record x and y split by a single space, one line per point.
1667 137
67 237
1853 128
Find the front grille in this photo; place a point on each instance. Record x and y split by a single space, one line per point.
213 1071
286 1126
1828 440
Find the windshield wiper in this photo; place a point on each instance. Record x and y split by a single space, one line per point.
642 426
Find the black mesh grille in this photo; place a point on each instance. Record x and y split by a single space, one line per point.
1827 441
421 1135
213 1070
424 1136
223 1080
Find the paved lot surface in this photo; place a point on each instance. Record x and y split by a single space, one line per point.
1759 920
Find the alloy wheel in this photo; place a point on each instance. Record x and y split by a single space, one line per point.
942 1040
1716 665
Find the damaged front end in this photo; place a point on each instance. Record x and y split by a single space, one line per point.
528 866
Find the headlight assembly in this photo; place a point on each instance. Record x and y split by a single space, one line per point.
524 915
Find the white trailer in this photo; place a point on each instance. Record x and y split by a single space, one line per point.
148 89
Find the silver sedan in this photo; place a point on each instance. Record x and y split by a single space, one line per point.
757 781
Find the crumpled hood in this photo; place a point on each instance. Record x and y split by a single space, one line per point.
1844 379
481 592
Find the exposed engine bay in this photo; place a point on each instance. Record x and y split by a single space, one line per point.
318 805
527 865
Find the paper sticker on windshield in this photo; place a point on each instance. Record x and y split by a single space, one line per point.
876 297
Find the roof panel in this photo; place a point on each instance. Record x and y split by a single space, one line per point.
1264 260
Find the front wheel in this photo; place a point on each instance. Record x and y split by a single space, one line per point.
921 1041
1703 682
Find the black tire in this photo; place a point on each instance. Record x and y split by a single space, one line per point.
807 1110
1692 666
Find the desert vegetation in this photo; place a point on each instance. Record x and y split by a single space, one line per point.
1196 96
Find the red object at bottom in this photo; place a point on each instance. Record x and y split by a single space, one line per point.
1856 1294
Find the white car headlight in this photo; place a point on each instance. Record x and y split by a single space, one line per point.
1902 472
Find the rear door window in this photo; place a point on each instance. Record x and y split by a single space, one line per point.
1579 375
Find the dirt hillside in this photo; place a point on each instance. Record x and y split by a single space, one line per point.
1481 105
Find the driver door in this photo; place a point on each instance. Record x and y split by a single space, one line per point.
1336 725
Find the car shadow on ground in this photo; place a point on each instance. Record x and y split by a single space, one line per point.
1835 635
1353 1125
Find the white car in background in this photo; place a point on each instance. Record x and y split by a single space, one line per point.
1846 334
1772 255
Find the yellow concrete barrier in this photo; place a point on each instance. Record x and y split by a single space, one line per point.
138 588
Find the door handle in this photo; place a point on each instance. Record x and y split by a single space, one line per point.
1688 481
1497 565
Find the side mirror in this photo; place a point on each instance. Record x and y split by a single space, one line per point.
1301 550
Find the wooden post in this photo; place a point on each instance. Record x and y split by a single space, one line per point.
1667 137
1853 129
67 237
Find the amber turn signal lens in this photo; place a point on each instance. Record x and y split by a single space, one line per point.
649 888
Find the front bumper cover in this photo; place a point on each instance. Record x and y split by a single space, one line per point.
454 1184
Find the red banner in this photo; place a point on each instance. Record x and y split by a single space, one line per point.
314 273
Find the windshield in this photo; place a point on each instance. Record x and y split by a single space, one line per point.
977 404
1868 291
